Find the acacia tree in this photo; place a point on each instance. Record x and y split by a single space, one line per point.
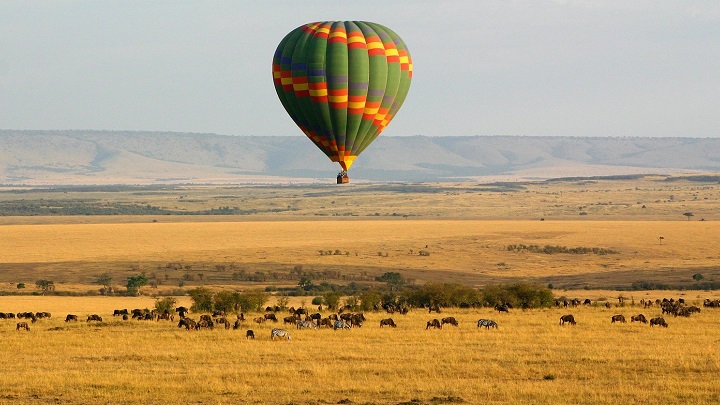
45 285
135 283
105 280
688 215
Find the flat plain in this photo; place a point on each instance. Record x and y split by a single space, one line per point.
361 232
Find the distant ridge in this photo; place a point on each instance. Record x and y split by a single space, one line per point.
127 157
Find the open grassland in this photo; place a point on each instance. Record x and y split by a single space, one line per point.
621 198
528 359
466 251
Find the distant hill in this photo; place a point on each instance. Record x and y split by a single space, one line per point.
124 157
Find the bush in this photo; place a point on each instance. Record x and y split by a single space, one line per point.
317 301
21 285
167 304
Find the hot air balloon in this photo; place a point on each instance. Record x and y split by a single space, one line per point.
342 82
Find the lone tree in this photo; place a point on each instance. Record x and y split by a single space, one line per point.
105 280
688 215
134 283
45 285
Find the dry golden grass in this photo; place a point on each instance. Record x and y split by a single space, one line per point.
528 359
472 252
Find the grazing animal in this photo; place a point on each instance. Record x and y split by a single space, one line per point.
206 317
567 319
94 317
587 301
236 325
502 308
241 316
22 325
182 311
434 307
341 325
618 318
271 317
433 324
290 319
306 325
487 323
658 321
608 305
280 333
249 334
326 322
638 318
224 321
187 323
125 317
120 312
316 317
450 319
259 319
388 322
71 317
357 320
203 323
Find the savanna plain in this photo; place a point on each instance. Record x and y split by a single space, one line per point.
642 238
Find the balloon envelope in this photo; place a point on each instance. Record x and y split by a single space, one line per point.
342 82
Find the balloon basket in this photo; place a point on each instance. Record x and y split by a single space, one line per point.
342 178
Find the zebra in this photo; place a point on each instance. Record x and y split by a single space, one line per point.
340 325
487 323
306 324
281 333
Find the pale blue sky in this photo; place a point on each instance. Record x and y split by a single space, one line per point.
572 68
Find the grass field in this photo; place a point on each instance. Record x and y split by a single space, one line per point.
464 229
528 359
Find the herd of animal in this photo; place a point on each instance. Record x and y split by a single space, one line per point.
302 319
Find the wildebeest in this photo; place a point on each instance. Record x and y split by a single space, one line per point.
224 321
316 316
450 319
567 318
125 317
259 319
433 324
22 325
41 315
249 334
94 317
587 301
357 320
608 305
71 317
217 313
281 333
236 326
292 319
658 321
434 307
618 318
187 323
206 318
387 322
203 323
271 317
326 322
120 312
167 316
638 318
502 308
182 311
240 316
487 323
341 325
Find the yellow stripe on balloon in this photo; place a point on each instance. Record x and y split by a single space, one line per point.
338 99
318 93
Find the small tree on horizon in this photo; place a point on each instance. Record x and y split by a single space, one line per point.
688 215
